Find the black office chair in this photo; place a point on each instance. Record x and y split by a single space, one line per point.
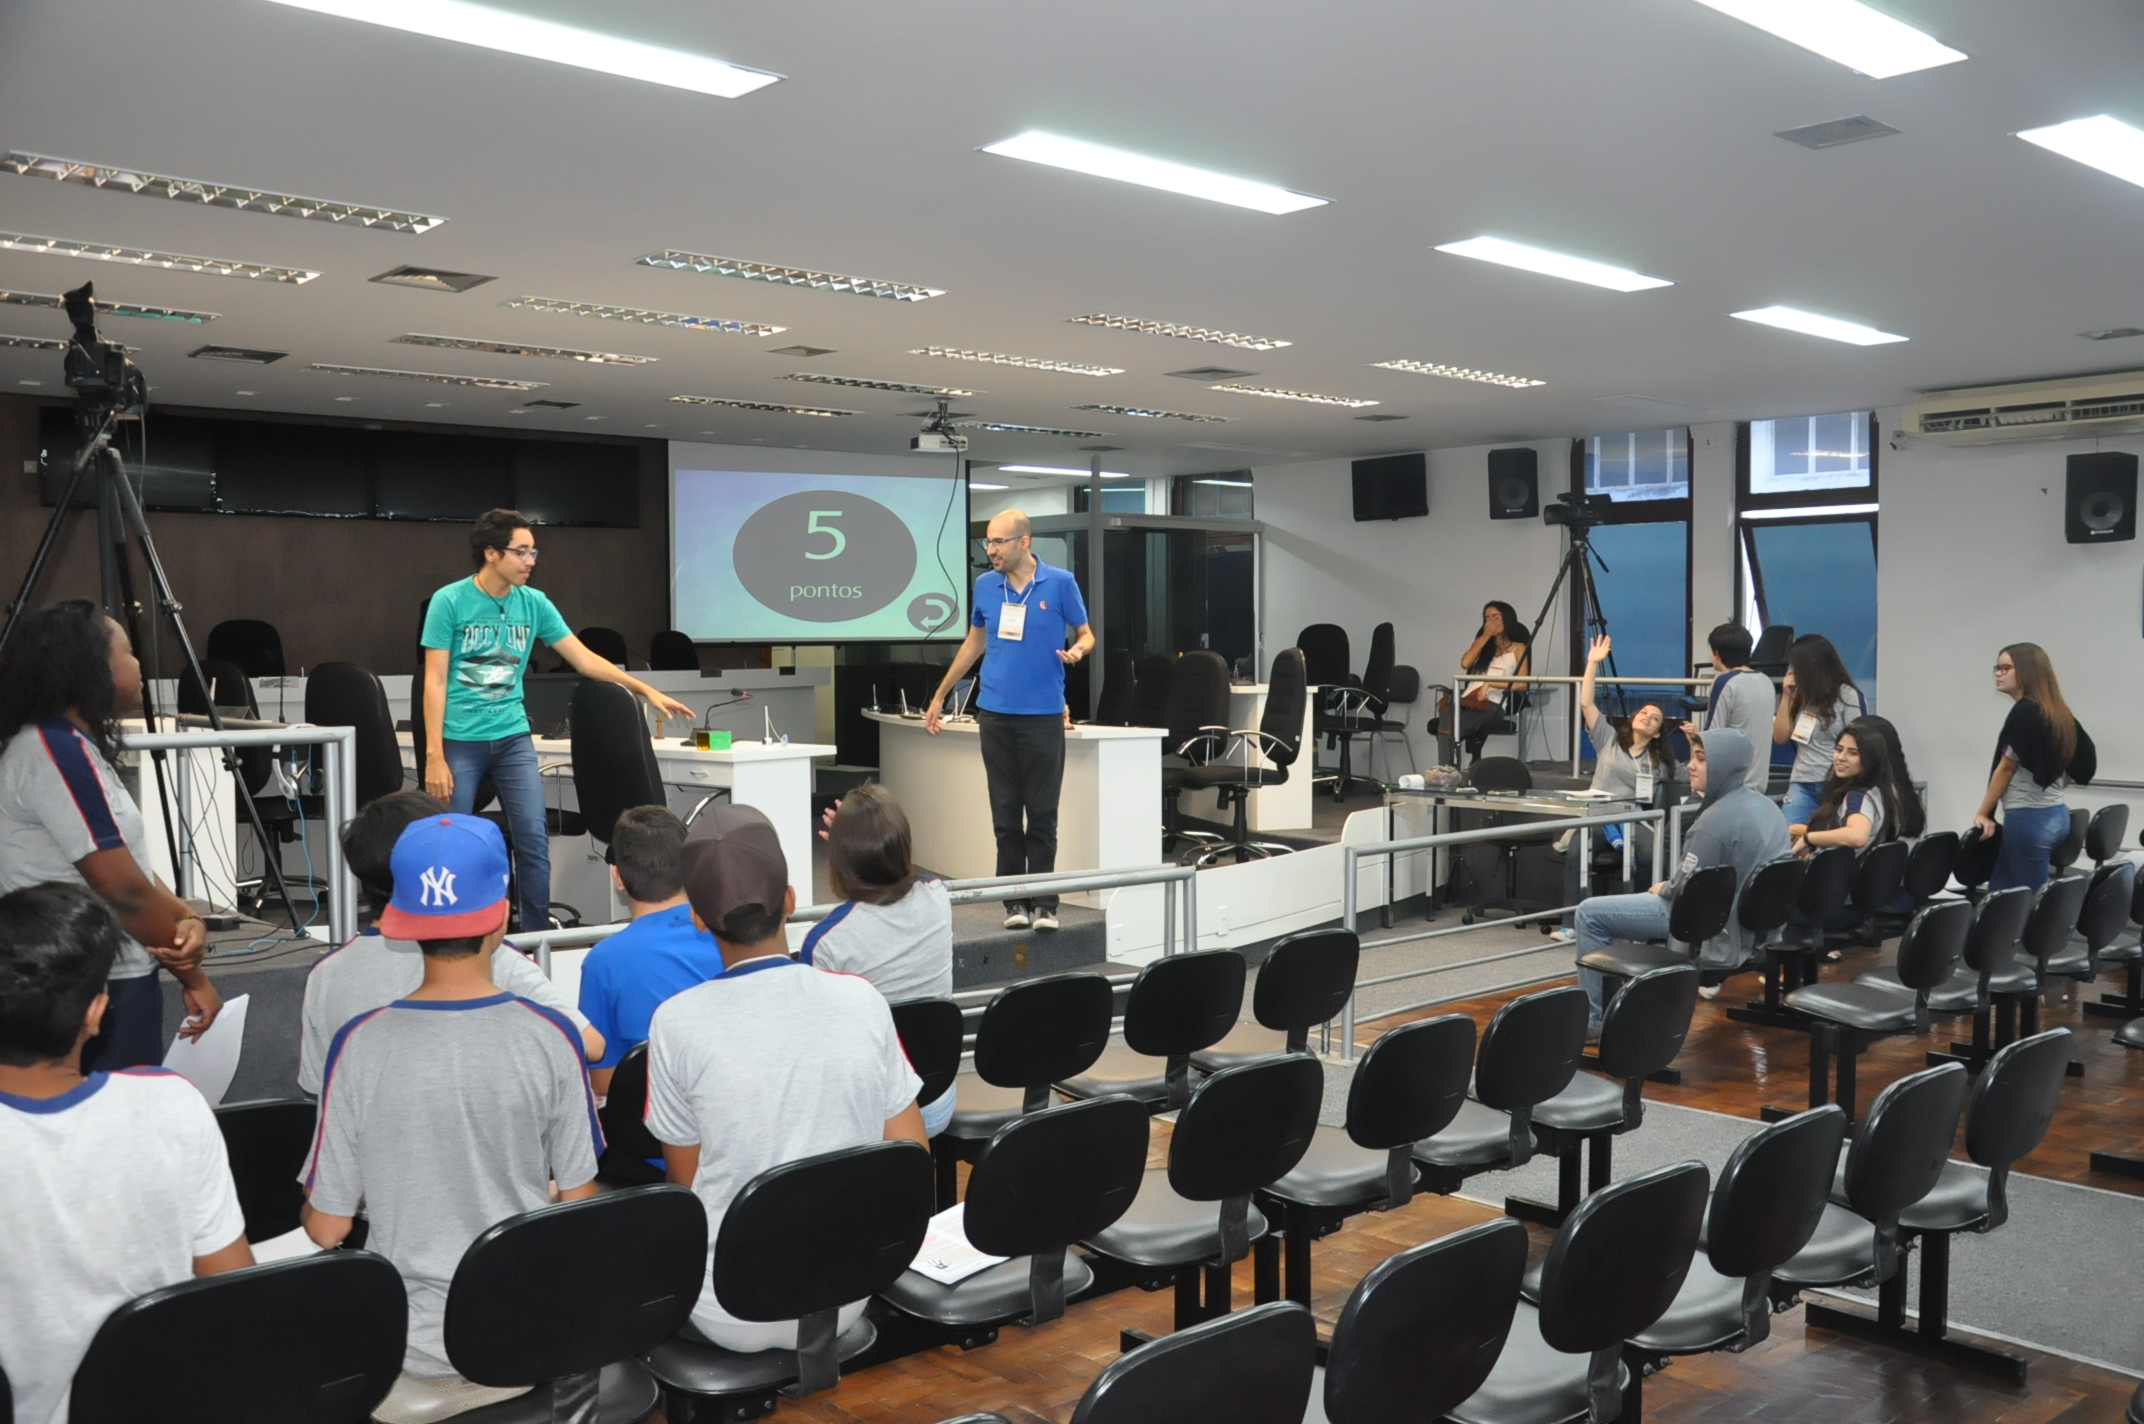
1766 904
272 1357
1493 774
255 647
346 695
1407 1087
631 1153
1178 1005
1362 708
1325 666
1928 868
1699 914
1305 981
932 1033
230 692
1879 872
1769 655
2065 854
1253 1368
2057 912
2103 839
1244 1129
267 1141
1031 1035
801 1241
1198 733
565 1297
1256 759
1825 891
1977 854
2104 917
1986 962
1119 675
2130 956
1528 1054
1404 691
669 651
614 766
606 643
1156 676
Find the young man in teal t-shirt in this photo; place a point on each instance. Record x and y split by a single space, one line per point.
478 633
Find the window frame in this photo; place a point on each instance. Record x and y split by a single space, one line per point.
1636 511
1746 500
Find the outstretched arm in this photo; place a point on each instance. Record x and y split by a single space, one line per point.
588 665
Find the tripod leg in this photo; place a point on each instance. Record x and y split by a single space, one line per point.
123 581
36 572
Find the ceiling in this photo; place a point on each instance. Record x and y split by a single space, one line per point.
1637 132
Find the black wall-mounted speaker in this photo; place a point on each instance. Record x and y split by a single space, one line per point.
2100 503
1514 484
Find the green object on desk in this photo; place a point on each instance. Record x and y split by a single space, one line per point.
712 741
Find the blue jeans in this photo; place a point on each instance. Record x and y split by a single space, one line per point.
939 1111
2029 840
1801 801
1605 918
510 764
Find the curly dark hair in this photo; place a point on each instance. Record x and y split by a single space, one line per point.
58 662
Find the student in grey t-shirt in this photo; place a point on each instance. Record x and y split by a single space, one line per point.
1631 762
1741 699
1820 699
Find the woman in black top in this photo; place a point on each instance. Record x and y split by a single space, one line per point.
2042 749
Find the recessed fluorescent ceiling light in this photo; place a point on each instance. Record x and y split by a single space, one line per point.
33 343
1060 470
2113 333
542 39
1843 30
54 300
1276 393
430 279
1853 333
1025 363
2102 141
488 383
801 351
1228 484
549 405
790 276
511 348
237 353
1057 151
864 383
977 485
144 257
1824 509
1553 264
1146 414
1459 373
1007 428
645 318
215 195
763 405
1187 333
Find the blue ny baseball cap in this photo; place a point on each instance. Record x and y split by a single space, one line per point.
450 879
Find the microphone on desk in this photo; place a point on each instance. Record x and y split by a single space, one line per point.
737 695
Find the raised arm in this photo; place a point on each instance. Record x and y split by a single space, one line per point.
588 665
1595 656
1784 712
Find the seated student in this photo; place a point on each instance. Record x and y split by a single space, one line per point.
769 1062
893 927
371 970
1632 762
1736 826
450 1110
659 954
1741 699
1853 808
116 1184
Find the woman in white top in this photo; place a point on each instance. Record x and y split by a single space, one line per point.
1501 649
893 927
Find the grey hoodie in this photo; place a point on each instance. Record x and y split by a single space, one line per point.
1737 827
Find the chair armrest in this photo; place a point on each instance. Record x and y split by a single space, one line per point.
1211 738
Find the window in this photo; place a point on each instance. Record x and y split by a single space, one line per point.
1639 465
1806 532
1808 461
1642 572
1226 495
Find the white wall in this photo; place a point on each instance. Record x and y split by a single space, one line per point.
1973 557
1712 532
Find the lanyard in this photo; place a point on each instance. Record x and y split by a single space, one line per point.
1026 593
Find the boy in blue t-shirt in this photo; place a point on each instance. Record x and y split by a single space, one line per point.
478 633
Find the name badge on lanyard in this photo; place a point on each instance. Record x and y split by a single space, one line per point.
1012 622
1804 727
1645 779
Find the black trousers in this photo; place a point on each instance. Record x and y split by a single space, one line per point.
1024 763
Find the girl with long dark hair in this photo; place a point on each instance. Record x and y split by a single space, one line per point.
1502 648
67 677
2042 749
1818 699
1854 808
1631 762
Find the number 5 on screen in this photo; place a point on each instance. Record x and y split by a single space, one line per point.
813 526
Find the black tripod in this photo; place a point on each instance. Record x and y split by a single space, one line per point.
1578 562
119 520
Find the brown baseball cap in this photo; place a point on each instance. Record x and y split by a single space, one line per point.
732 858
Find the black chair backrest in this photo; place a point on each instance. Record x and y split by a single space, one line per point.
1406 685
319 1339
624 1109
1992 942
1118 675
1251 1367
1282 719
1703 905
346 695
1530 1051
2065 855
1182 1003
1500 774
227 687
1829 881
1878 873
1198 697
1305 981
256 647
2106 908
1618 1260
1043 1031
1325 654
2136 903
671 651
814 1234
1422 1331
2055 912
614 766
1977 854
2103 841
1768 900
1770 654
569 1288
931 1031
1411 1083
1928 867
2014 1100
1050 1179
1934 938
1771 1193
1150 692
266 1141
606 643
1902 1143
1377 668
1644 1026
1246 1127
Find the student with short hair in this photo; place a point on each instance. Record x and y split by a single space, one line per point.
370 970
768 1062
450 1110
115 1184
1741 699
893 926
661 953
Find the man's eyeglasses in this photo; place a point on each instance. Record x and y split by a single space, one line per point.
521 551
1001 543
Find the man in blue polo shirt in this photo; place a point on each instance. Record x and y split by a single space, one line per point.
1023 610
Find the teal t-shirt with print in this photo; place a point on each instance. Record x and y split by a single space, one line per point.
487 641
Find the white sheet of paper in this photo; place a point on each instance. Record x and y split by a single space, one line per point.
211 1060
946 1257
287 1247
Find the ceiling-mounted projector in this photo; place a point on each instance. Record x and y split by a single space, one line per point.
938 442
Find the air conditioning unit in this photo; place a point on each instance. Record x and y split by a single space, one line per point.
2031 410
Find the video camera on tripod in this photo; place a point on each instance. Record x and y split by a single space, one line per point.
1579 512
104 379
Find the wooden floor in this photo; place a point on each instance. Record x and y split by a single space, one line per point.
1797 1375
